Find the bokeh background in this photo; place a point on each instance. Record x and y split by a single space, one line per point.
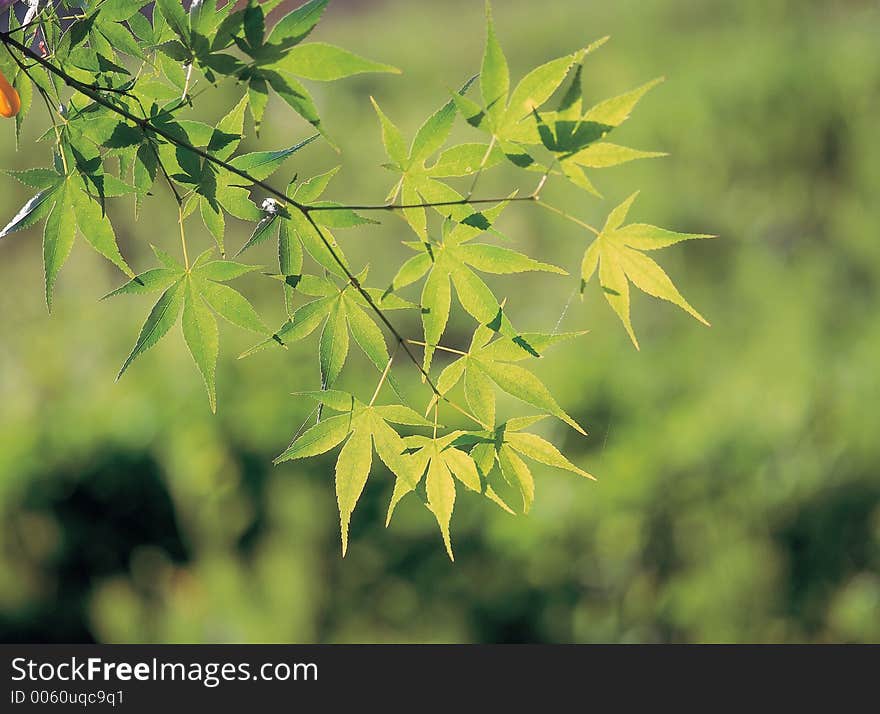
738 495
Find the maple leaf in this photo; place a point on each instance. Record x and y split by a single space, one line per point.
199 293
617 253
363 428
488 364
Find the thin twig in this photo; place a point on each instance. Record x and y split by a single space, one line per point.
401 206
482 166
182 236
438 347
568 216
94 93
384 375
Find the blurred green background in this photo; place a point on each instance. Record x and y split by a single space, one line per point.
738 495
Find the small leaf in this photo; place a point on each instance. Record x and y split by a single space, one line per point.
334 399
542 451
465 160
524 385
400 414
148 282
200 334
261 233
603 154
498 260
613 112
518 475
227 134
333 349
296 96
175 16
412 270
391 137
536 87
296 25
57 240
35 178
254 25
479 393
433 133
224 270
303 322
262 164
463 468
322 62
161 318
352 470
435 301
494 75
33 211
644 237
318 439
368 335
312 189
650 278
97 230
441 498
231 305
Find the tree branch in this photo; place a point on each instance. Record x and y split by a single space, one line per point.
93 93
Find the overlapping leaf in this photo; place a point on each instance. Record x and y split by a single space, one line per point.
504 447
489 364
453 262
507 115
278 60
344 313
364 428
419 182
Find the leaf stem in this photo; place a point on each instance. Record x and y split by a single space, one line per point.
182 235
384 375
567 216
438 347
426 204
482 166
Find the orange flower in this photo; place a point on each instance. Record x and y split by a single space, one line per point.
10 103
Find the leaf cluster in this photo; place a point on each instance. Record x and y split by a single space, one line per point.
121 90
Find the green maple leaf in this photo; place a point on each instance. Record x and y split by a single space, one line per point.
279 59
344 313
507 115
199 293
65 203
505 446
418 182
617 253
364 428
453 261
441 464
489 364
577 137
